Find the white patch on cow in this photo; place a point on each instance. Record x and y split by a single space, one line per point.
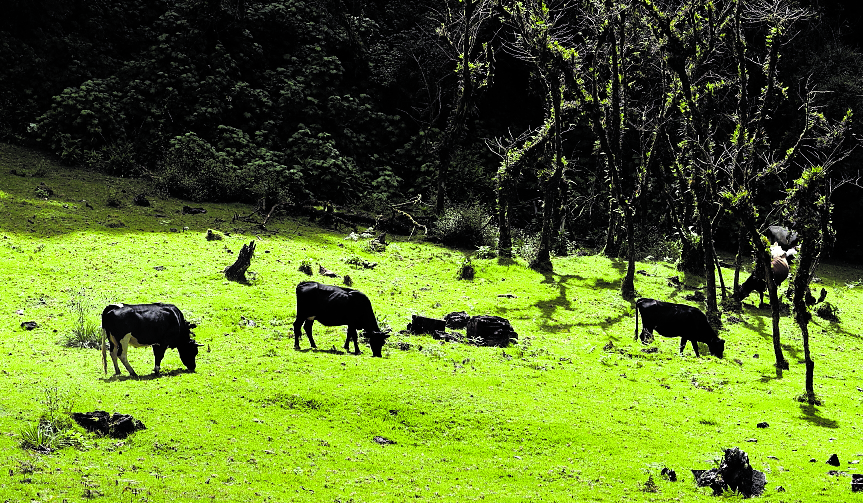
121 346
310 318
135 344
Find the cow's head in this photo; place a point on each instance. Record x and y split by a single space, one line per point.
376 341
188 351
717 347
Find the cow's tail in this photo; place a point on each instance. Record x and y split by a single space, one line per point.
104 355
636 322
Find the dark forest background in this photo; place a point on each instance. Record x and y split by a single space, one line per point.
591 123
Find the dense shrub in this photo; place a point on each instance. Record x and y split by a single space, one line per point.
194 170
466 227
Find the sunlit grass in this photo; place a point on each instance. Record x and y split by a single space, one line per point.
575 411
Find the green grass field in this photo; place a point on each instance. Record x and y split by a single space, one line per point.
575 412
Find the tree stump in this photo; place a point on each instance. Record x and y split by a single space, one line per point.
237 271
490 331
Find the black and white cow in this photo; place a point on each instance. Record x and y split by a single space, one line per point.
161 326
335 306
779 268
678 320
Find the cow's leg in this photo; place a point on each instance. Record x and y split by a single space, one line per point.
297 325
308 326
352 336
694 347
123 353
158 354
114 347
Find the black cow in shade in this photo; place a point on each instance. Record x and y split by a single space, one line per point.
678 320
161 326
785 238
335 306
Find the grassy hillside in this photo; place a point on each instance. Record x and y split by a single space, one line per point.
575 412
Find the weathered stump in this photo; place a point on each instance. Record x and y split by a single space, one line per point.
237 271
423 325
457 320
116 425
490 331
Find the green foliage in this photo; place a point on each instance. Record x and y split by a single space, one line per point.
116 158
194 170
85 331
465 226
525 244
485 252
55 428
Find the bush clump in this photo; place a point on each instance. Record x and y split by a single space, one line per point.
468 226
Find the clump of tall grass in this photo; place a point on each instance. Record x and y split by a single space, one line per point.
85 331
55 428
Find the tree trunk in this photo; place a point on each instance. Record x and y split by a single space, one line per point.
552 185
237 271
627 287
504 240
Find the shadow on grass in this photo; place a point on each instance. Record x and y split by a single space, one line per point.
148 377
810 414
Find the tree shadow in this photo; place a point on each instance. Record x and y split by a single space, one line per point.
810 414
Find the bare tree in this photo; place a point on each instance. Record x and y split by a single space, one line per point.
461 26
540 36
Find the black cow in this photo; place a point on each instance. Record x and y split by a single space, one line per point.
334 306
779 268
783 237
678 320
139 325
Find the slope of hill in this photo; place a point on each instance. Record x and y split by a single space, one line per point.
576 410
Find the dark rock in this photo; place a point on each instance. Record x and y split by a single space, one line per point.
141 200
383 440
347 280
213 236
423 325
490 331
29 325
323 271
188 210
762 425
695 297
712 479
834 460
669 474
457 320
116 425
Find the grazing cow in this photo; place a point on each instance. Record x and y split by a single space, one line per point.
678 320
139 325
334 306
783 237
779 268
